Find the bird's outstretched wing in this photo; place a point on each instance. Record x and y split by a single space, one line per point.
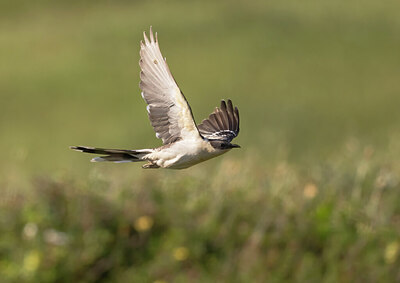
169 112
222 124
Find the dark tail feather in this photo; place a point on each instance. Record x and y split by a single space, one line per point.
114 155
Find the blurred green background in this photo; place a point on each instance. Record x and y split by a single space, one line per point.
312 196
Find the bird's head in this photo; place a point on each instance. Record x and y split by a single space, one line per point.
223 145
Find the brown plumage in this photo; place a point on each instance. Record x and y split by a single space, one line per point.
222 124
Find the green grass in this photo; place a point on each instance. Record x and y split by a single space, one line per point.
336 221
312 196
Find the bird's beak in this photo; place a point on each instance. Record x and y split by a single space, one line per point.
235 146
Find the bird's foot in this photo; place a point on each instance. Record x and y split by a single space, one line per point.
150 165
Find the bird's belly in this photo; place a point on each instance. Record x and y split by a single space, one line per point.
184 154
188 160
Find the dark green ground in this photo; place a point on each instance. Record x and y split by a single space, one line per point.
312 196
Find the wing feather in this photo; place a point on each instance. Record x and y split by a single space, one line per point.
168 110
222 124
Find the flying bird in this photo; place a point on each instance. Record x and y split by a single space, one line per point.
184 143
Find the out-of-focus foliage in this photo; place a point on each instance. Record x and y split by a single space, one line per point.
312 196
336 221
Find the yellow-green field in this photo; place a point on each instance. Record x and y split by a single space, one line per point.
313 195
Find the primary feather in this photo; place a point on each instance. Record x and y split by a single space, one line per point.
168 110
222 124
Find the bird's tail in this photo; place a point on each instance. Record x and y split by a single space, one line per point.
114 155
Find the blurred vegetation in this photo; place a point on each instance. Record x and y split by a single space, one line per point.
312 196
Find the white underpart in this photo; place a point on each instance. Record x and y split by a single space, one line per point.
184 153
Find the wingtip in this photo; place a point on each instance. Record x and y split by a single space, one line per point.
230 106
151 34
146 39
223 104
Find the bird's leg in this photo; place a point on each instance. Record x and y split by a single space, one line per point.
150 165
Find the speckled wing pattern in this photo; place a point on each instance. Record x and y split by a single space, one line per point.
222 124
169 112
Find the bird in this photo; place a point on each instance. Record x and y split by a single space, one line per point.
184 143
